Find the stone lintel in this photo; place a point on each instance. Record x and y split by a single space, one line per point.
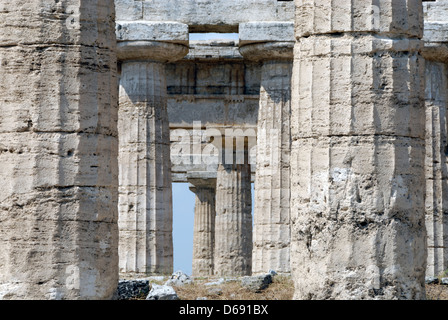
436 31
173 32
206 15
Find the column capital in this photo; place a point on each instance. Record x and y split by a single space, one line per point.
268 51
436 51
267 40
147 40
195 183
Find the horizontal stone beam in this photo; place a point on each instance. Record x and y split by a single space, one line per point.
206 15
266 31
172 32
436 31
435 10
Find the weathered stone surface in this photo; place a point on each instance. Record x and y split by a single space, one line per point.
162 292
358 143
436 52
389 17
214 50
233 222
272 182
431 280
256 283
266 31
204 227
357 159
144 40
206 15
212 89
214 291
174 32
58 232
178 278
145 203
150 51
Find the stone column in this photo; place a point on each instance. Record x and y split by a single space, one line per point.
204 226
233 223
58 150
436 55
357 155
272 192
145 192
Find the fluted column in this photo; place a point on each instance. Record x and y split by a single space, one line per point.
58 150
436 55
357 155
272 192
233 223
145 192
204 226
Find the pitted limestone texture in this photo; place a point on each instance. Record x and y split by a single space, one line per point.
357 155
59 145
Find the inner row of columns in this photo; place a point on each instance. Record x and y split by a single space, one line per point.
223 241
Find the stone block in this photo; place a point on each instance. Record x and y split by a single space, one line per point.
391 17
152 31
217 15
162 292
272 31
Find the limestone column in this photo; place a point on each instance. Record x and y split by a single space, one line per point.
272 192
233 222
145 192
436 55
204 226
357 155
58 150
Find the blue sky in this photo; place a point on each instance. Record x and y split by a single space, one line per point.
183 218
208 36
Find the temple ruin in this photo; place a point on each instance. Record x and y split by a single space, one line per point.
336 111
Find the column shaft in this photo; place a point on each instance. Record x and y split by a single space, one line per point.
145 192
58 142
357 159
272 193
204 230
233 224
436 167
